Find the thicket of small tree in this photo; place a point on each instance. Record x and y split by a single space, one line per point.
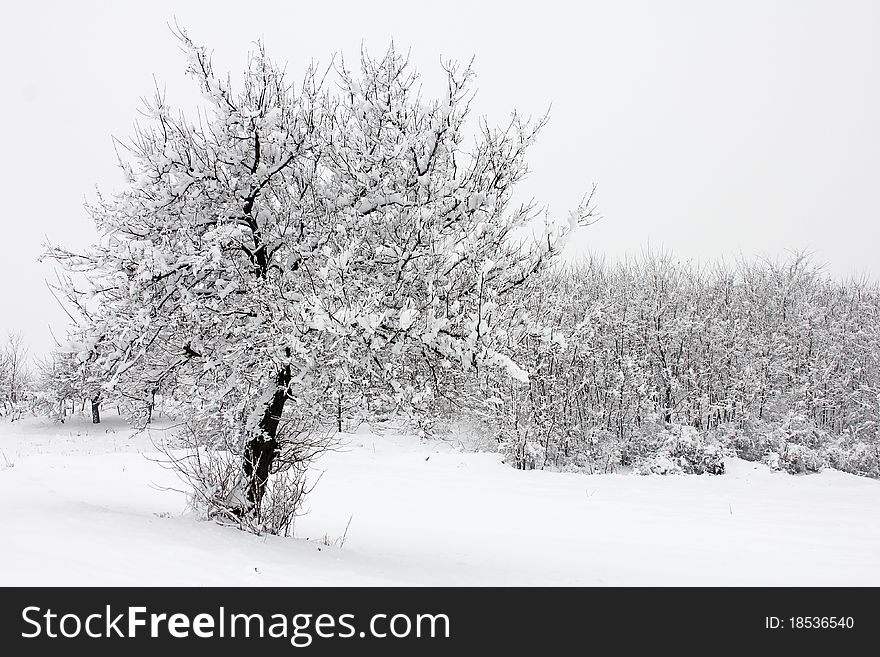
663 366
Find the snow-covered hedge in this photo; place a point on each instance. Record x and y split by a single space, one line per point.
793 445
856 458
680 449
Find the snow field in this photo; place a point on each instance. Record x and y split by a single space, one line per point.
84 504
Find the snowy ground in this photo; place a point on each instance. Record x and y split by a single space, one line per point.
84 505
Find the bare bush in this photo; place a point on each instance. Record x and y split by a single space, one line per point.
211 468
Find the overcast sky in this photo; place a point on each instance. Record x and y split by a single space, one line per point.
712 129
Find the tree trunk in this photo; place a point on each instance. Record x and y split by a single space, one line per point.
150 406
339 413
261 450
96 412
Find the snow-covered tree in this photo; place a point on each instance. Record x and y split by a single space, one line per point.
66 381
15 375
295 241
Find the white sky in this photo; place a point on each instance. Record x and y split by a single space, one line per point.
713 129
